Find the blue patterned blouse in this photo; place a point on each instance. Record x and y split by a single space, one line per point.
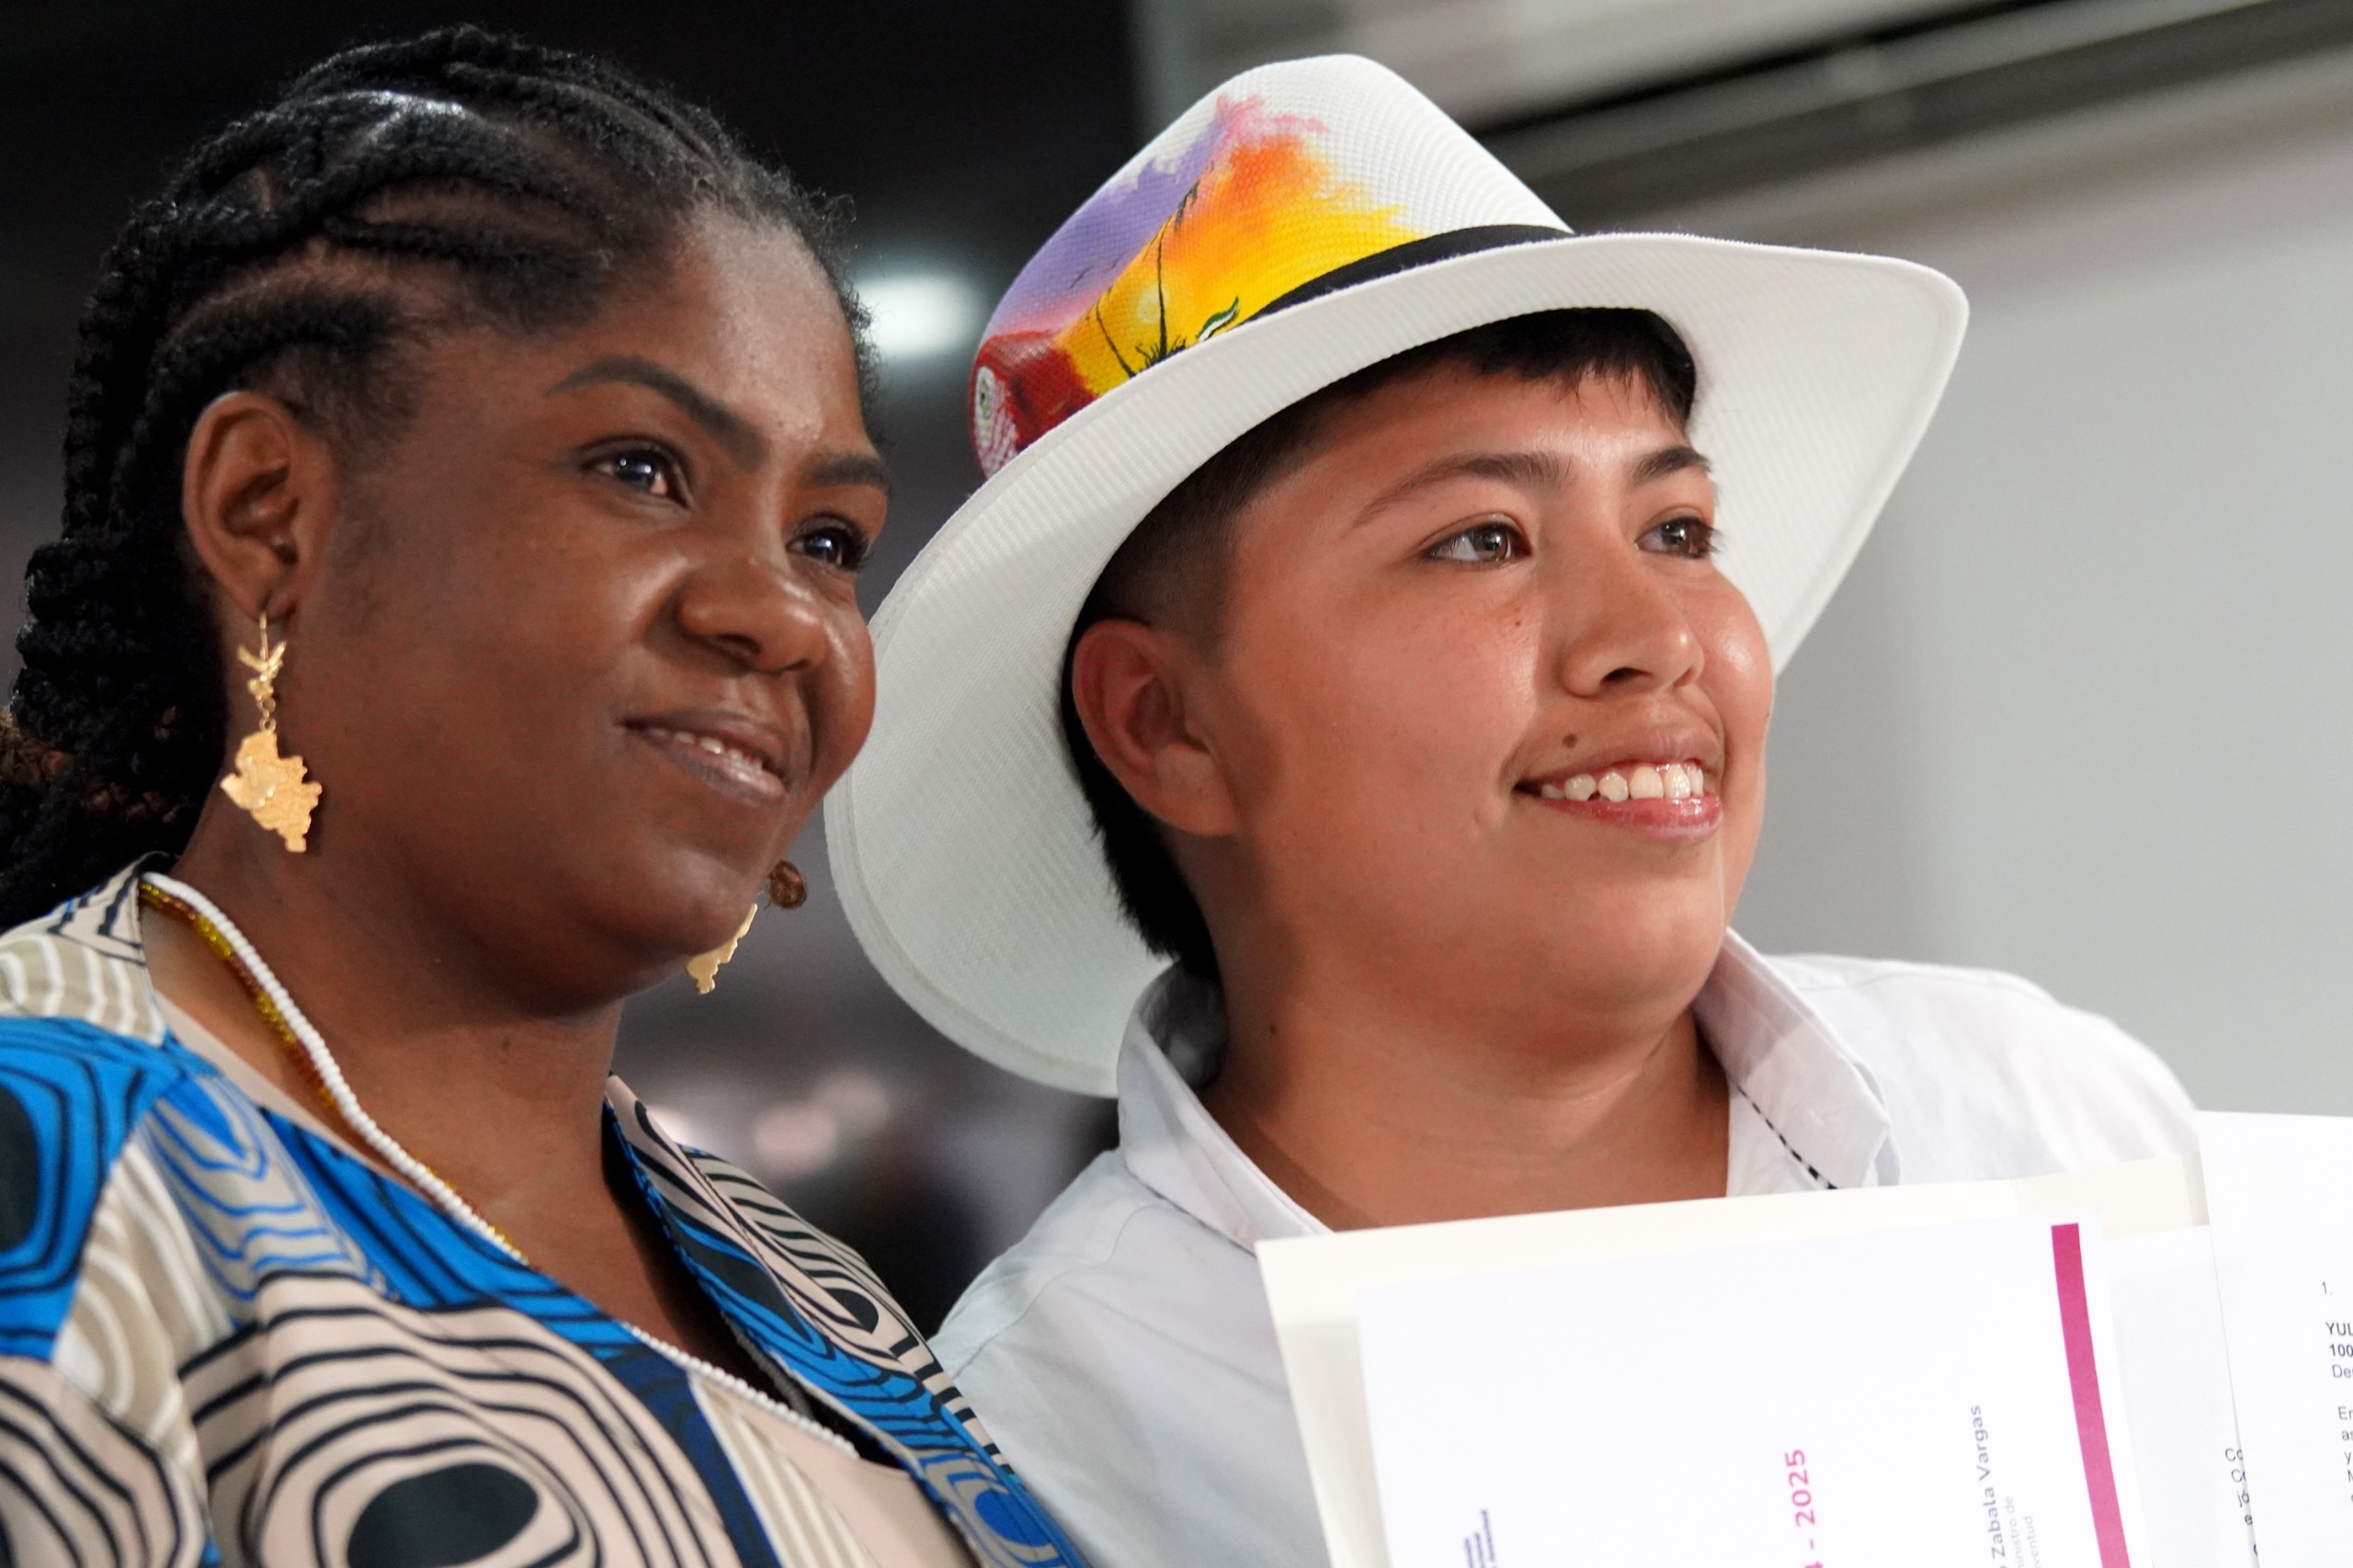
224 1339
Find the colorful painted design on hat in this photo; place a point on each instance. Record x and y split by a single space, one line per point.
1190 243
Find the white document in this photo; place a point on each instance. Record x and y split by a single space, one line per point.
2283 1253
1927 1397
2173 1390
1314 1284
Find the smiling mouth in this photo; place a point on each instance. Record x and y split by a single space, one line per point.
725 765
1671 798
1640 781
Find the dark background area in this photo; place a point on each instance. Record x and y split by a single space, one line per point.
963 133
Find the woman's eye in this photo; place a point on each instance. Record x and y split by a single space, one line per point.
647 472
1488 544
835 544
1692 537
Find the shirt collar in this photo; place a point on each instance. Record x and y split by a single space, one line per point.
1783 1055
1169 1139
1776 1049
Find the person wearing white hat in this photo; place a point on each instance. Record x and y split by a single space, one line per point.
1344 619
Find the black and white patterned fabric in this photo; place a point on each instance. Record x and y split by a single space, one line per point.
225 1340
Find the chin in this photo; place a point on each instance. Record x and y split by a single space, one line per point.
673 900
1651 943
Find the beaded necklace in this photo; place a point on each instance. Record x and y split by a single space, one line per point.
306 1051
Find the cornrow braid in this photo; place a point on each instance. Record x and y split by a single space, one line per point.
300 250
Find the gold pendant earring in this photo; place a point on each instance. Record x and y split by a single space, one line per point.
270 787
787 890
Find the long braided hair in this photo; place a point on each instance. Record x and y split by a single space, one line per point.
457 175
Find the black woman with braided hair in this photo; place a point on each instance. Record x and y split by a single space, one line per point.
450 627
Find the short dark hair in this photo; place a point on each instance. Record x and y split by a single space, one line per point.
311 246
1174 563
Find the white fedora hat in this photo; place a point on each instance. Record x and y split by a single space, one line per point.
1304 222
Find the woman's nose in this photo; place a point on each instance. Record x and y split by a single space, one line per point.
1622 627
754 612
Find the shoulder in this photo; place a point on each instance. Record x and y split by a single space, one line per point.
72 1099
824 1281
1118 1290
1083 1244
778 1223
1977 1060
1124 1355
1900 1012
785 1279
82 960
69 1085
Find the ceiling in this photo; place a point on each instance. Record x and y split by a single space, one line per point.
1491 60
1615 111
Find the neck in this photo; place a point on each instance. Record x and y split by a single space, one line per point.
1368 1115
501 1099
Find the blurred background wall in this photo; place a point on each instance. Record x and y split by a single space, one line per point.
2077 713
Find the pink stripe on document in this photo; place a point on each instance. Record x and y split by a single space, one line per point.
2083 1376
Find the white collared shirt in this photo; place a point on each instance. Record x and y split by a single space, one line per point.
1122 1354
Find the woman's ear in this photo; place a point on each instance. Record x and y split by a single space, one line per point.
1128 683
259 492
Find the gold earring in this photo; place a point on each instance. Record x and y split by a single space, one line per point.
266 784
704 968
787 890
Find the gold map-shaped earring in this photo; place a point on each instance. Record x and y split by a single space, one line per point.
787 890
269 787
704 968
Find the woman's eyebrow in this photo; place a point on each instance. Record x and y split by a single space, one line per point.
734 433
850 467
